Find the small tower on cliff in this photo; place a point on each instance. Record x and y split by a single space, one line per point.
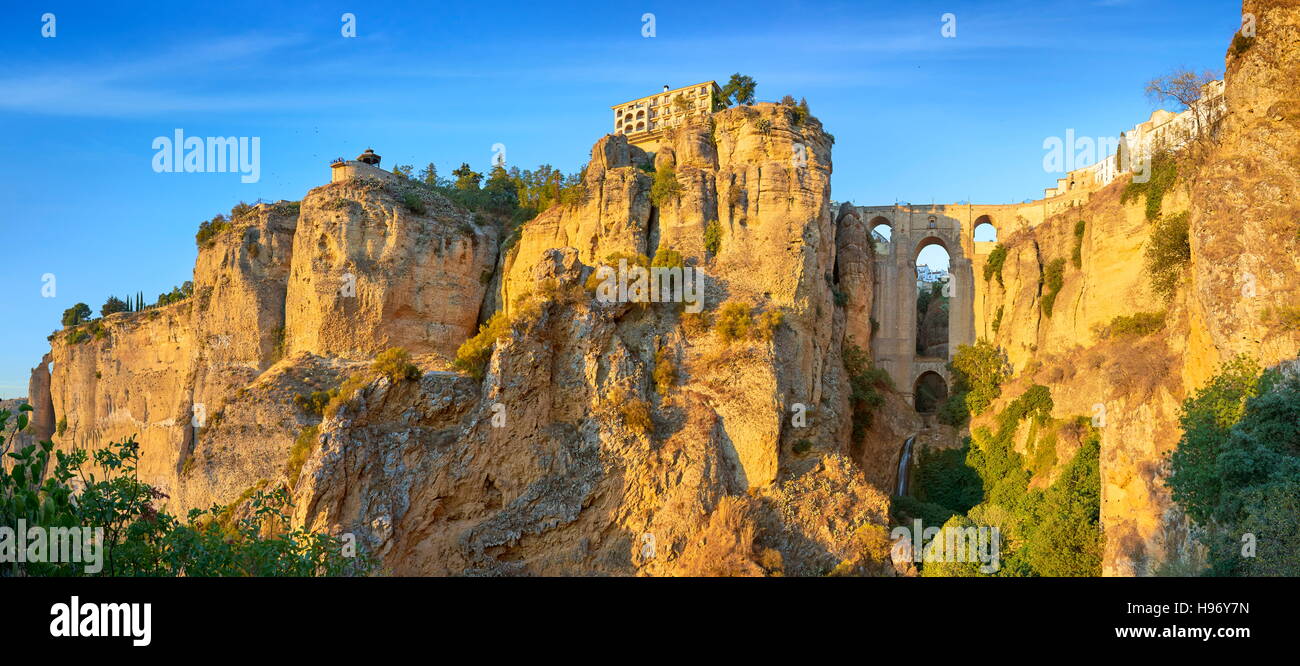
366 165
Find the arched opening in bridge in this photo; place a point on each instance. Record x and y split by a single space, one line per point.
933 292
881 230
930 392
984 230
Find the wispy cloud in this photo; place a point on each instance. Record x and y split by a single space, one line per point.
148 84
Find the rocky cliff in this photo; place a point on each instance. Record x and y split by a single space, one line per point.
574 455
602 438
1234 296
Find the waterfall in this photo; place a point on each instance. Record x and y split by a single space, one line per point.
903 463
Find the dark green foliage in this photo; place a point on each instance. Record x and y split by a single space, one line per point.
798 112
1054 532
1053 280
502 191
1207 418
953 410
665 186
905 509
943 478
56 489
112 306
467 179
1076 256
176 295
713 237
738 90
978 372
76 315
1236 470
993 265
1064 537
1168 252
1164 173
865 382
414 203
1240 44
210 229
314 403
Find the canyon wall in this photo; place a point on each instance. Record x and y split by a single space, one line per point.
549 467
1239 192
604 437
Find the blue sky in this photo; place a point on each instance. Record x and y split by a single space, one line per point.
917 117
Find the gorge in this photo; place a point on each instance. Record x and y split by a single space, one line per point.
545 431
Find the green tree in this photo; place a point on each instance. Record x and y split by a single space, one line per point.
1236 470
739 90
113 305
665 185
978 372
1168 252
76 314
250 537
502 190
1206 419
1065 537
466 178
429 175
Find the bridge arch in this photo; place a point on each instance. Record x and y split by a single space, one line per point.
984 230
894 309
930 389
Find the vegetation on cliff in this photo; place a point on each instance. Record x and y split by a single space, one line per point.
1168 253
978 373
250 537
1236 471
1044 532
866 383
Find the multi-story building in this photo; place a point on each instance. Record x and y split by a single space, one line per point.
1164 130
644 120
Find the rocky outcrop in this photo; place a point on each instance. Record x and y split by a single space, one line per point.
569 457
1245 202
43 421
1238 191
377 265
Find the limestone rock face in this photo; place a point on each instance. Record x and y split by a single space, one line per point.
376 266
1246 201
38 393
135 379
240 279
1239 192
855 261
566 458
208 385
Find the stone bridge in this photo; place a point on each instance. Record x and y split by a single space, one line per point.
893 311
